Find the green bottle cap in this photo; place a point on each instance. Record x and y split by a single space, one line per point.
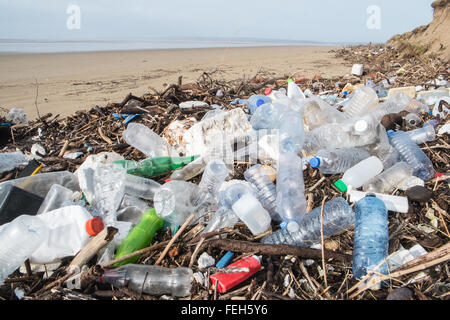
341 186
290 80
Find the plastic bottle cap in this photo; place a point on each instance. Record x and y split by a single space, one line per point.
167 180
389 132
314 162
361 126
94 226
371 195
267 91
260 102
341 185
290 80
438 174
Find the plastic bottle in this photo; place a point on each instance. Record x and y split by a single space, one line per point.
412 120
55 198
176 200
395 104
190 170
371 236
222 218
291 132
291 202
382 149
337 217
393 203
139 237
69 231
255 101
359 174
214 175
153 280
293 90
388 180
231 191
11 160
266 191
412 154
421 135
251 212
148 142
153 167
267 116
334 161
364 100
140 187
19 239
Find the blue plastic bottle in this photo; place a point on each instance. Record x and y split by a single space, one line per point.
371 243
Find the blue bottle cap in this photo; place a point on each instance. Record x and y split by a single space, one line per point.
314 162
389 132
283 225
260 102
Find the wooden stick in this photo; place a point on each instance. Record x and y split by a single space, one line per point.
175 237
102 135
91 249
64 148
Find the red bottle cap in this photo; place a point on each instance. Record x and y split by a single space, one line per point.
438 174
267 91
167 180
94 226
226 281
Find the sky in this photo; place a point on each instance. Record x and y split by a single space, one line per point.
331 21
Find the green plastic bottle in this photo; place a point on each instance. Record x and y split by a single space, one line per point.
139 237
152 167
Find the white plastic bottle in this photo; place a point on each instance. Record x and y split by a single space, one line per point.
251 212
19 239
293 90
393 203
359 174
70 228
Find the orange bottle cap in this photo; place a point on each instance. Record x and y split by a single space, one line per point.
94 226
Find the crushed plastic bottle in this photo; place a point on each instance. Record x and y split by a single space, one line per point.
150 279
337 217
222 218
359 174
412 154
389 179
336 161
371 243
422 135
140 187
396 103
268 116
231 191
19 238
56 197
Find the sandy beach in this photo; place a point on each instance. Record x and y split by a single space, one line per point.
68 82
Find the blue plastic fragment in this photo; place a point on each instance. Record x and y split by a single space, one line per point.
225 260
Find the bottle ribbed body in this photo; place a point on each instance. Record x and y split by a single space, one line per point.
371 236
337 217
213 177
412 154
265 189
364 100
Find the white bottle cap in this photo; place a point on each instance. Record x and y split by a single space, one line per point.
361 126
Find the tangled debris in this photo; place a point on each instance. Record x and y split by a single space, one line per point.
311 273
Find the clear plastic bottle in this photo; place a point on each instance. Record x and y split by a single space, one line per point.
55 198
364 100
222 218
421 135
389 179
266 191
412 154
395 104
190 170
255 101
359 174
412 120
153 280
382 149
334 161
251 212
267 116
231 191
337 217
140 187
214 175
371 236
291 202
148 142
291 132
293 90
19 239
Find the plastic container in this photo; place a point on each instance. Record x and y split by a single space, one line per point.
251 212
359 174
412 154
153 280
370 246
337 217
55 198
364 100
139 237
255 101
15 202
393 203
19 239
389 179
266 191
153 167
214 175
11 160
148 142
227 281
291 202
140 187
422 135
70 229
336 161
